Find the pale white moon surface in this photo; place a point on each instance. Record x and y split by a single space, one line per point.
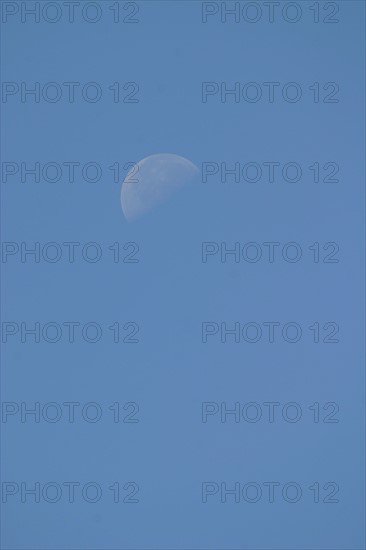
152 181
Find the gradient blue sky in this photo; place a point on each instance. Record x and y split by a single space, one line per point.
170 292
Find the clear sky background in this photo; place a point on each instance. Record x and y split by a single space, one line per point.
170 292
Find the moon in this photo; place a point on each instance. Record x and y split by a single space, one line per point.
152 181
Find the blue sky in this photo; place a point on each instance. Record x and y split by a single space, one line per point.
170 292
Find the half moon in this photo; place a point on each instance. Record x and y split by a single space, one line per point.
152 181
